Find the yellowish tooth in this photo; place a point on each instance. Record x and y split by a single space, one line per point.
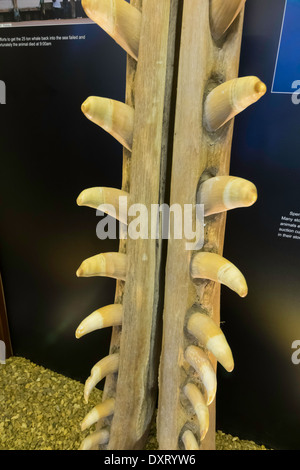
214 267
223 193
189 440
222 15
103 410
111 201
200 362
114 117
107 365
197 400
212 338
231 98
95 439
110 315
119 19
104 265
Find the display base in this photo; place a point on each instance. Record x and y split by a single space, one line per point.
42 410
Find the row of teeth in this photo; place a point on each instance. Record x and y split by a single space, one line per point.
218 194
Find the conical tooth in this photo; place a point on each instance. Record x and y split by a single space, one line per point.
107 365
119 19
111 201
110 315
222 15
103 410
114 117
105 264
212 338
222 193
231 98
189 440
200 362
214 267
197 400
95 439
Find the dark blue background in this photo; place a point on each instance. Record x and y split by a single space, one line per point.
288 64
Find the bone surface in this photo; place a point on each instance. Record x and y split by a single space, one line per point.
95 439
197 401
104 265
110 315
231 98
223 193
114 117
200 362
214 267
189 440
107 365
119 19
212 338
222 15
108 200
103 410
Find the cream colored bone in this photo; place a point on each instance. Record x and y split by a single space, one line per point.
119 19
196 398
223 193
114 117
110 315
103 410
231 98
104 265
222 15
189 441
95 439
108 199
107 365
214 267
202 365
212 338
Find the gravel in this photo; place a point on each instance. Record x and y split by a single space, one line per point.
42 410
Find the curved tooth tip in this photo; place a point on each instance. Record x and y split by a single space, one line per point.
104 265
111 201
119 19
113 116
103 410
212 338
227 100
223 13
189 440
222 193
201 410
95 439
108 316
85 107
108 365
214 267
203 367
